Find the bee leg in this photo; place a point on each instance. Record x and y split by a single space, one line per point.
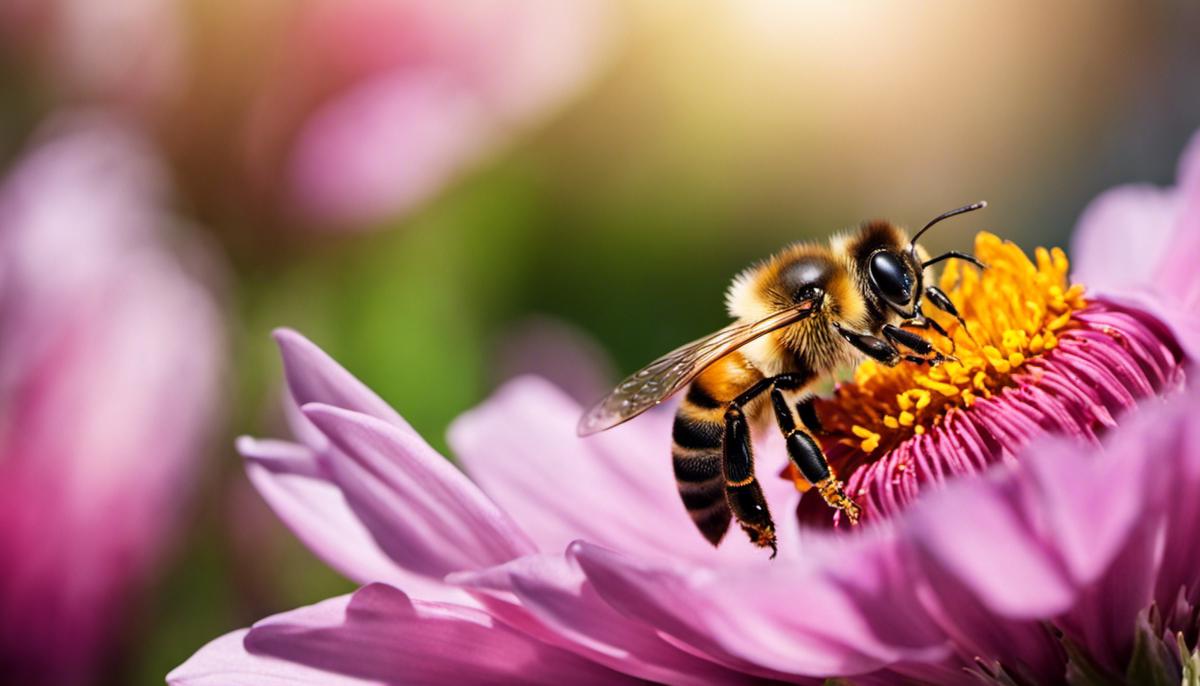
942 301
742 491
808 458
808 415
875 348
913 342
923 322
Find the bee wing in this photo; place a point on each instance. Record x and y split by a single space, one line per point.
663 377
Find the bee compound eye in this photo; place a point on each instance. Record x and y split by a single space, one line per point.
893 280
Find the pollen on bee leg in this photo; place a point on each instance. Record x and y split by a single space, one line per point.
831 492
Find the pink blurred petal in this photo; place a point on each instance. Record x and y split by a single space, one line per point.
559 353
1122 236
385 146
374 107
381 635
1139 244
110 360
1177 274
424 513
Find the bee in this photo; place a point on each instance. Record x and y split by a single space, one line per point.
800 315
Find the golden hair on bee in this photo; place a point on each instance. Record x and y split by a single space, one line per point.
799 315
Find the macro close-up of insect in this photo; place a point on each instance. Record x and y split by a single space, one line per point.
319 322
800 315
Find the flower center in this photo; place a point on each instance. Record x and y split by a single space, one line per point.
1032 356
1014 311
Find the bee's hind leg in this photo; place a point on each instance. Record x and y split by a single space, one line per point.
806 455
878 349
808 415
921 321
742 490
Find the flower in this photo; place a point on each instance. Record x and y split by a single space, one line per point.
1033 354
1058 534
1072 558
372 106
109 355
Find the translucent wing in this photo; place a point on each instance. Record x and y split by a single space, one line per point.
663 377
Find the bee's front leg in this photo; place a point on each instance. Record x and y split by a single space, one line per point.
914 342
925 323
876 348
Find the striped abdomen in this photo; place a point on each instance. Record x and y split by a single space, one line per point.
698 435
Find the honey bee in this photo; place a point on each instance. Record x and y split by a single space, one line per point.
800 315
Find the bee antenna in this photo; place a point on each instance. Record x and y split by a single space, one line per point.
946 215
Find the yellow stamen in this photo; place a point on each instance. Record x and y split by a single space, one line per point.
1012 311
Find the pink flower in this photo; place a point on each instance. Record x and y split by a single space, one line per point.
1074 557
124 51
109 356
1139 244
374 105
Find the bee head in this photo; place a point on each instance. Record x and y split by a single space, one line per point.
896 274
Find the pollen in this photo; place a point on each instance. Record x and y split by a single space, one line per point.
1014 311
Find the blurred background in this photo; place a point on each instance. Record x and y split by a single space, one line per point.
444 195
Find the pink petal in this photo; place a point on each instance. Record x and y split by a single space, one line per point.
314 509
977 567
379 634
616 488
387 145
1177 275
1078 510
290 479
993 549
424 513
314 377
1168 443
845 610
554 589
111 356
558 352
225 662
1154 459
1138 244
1122 236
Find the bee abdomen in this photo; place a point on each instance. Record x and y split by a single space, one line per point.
696 456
